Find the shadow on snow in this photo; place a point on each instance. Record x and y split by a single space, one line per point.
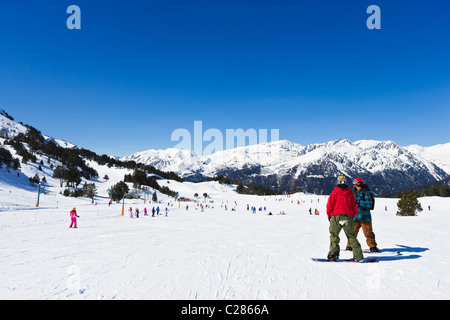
402 249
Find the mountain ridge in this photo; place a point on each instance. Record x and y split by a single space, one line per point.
286 165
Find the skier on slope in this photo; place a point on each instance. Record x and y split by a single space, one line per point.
73 218
363 219
341 209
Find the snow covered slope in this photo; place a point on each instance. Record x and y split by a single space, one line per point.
216 254
9 128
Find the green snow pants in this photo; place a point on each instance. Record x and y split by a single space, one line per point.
337 223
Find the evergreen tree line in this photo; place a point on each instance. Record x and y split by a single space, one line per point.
244 188
130 164
140 178
74 166
71 159
442 191
89 190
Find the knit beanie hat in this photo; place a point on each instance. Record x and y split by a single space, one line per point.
341 180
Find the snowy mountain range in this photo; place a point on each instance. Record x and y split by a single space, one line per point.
284 165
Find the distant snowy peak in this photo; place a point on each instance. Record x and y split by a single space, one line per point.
167 160
62 143
438 154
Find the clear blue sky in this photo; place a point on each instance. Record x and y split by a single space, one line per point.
137 70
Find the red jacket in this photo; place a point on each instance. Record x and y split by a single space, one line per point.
342 201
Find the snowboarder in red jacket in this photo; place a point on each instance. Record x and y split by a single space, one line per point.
341 209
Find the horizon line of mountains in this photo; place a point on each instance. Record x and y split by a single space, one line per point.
290 167
287 166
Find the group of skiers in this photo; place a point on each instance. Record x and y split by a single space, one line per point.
73 214
253 209
157 210
350 210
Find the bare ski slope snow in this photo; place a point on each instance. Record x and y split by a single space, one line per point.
215 254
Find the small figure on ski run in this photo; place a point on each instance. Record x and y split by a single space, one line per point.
137 213
73 218
364 200
167 211
153 211
341 210
145 212
131 212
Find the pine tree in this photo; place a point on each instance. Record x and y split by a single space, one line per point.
90 190
118 191
443 191
240 188
409 205
154 197
35 179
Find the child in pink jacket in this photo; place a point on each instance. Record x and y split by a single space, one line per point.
73 218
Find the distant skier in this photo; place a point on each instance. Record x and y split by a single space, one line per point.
131 212
167 211
363 219
157 210
145 212
341 209
73 218
153 211
137 213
